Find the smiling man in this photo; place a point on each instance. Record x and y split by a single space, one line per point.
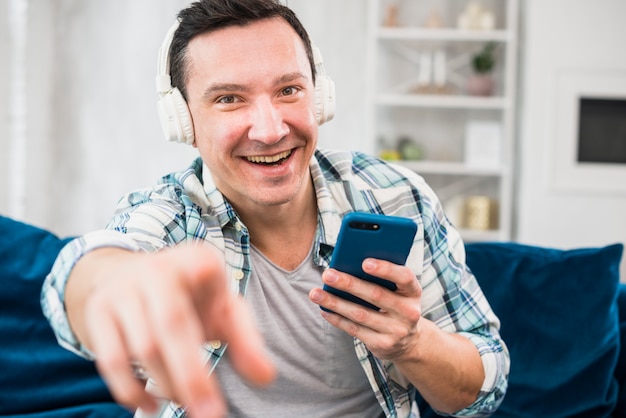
209 283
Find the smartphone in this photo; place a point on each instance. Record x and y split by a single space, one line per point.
365 235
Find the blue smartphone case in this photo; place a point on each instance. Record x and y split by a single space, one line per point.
364 235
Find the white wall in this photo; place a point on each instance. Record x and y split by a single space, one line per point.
564 36
4 107
92 131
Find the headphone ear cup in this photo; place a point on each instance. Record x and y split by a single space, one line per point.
324 99
324 89
175 117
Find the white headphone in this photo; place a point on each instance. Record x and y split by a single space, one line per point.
174 113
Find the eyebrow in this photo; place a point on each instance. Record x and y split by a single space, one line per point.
234 87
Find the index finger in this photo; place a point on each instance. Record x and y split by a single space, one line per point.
219 314
402 276
179 335
235 324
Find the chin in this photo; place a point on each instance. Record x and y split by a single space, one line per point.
269 201
269 197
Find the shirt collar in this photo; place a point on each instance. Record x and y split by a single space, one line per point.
218 207
328 215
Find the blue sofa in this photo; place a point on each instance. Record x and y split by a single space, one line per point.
563 317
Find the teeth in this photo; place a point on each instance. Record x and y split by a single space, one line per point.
269 159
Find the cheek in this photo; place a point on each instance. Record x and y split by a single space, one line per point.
217 134
301 118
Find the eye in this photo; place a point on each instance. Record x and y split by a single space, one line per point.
227 100
290 91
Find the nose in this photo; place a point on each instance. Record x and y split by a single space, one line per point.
267 124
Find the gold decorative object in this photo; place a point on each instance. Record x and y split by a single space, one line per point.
480 213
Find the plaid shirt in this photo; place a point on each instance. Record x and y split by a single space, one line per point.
187 206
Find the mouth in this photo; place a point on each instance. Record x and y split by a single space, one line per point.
270 159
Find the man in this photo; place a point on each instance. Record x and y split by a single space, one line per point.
147 295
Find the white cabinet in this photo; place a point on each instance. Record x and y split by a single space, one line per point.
419 63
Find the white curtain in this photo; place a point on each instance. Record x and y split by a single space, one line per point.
78 120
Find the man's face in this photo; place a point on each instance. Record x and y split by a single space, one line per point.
252 100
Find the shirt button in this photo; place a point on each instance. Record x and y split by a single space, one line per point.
238 275
238 226
215 344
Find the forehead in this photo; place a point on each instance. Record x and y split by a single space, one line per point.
260 47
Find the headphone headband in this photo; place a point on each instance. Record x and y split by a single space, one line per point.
163 79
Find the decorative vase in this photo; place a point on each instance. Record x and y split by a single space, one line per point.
480 85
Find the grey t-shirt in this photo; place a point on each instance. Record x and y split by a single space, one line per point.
319 374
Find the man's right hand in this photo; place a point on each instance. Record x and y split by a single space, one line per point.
157 309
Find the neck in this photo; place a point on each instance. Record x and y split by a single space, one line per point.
284 233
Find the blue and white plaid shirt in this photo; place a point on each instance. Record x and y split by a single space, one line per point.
187 206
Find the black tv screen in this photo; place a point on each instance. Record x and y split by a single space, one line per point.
602 131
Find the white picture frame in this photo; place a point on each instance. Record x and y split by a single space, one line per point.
568 174
483 144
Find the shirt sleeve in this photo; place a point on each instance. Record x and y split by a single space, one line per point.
453 299
53 290
145 220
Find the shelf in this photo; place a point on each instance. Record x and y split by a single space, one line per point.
448 168
441 101
444 34
417 84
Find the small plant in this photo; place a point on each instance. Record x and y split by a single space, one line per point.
484 61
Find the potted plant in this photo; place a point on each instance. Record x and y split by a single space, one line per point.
480 82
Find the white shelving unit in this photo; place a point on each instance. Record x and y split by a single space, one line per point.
437 122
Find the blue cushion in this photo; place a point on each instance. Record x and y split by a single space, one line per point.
36 374
560 321
620 369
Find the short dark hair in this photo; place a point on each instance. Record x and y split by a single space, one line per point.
208 15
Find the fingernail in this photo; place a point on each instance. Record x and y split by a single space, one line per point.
316 295
369 264
330 276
